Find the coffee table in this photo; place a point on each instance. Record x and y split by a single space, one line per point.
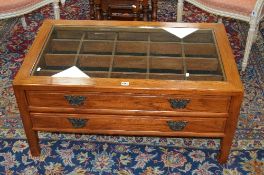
130 78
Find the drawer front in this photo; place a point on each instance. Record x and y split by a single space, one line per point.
127 102
123 124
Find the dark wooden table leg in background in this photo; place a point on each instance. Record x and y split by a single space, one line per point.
92 13
98 10
154 4
145 6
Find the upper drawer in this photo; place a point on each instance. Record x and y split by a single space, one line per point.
88 101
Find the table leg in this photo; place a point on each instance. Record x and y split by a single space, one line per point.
108 14
145 7
224 150
98 10
230 128
92 13
135 13
33 141
154 4
32 136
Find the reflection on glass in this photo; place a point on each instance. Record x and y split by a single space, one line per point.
138 53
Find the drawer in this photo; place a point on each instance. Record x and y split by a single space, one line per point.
88 101
103 124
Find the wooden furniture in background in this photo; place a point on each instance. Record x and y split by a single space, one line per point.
251 11
145 79
123 9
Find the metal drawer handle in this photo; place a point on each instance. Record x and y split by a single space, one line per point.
77 122
179 103
75 100
177 125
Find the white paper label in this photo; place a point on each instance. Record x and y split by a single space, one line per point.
124 83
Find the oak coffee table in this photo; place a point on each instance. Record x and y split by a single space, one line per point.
130 78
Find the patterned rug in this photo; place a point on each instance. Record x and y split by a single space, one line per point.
147 155
97 158
6 25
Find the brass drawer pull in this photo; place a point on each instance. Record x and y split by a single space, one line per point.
75 100
179 103
77 122
177 125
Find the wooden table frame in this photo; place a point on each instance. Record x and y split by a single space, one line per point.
231 89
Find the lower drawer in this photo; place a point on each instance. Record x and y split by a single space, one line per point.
131 125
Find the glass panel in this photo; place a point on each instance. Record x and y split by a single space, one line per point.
132 52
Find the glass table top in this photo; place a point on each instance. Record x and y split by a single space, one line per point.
131 52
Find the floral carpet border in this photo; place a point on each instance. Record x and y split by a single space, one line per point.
80 157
